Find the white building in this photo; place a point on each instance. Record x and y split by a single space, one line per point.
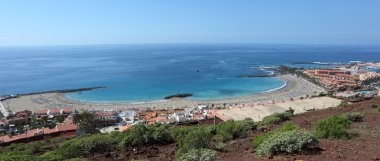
128 116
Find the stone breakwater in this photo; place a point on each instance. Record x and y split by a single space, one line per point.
182 95
5 97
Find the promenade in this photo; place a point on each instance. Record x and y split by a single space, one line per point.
3 109
258 112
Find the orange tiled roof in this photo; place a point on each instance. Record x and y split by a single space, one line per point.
42 111
68 110
198 116
105 114
43 131
344 75
55 110
21 112
151 122
160 119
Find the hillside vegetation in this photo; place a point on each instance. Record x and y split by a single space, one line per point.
315 135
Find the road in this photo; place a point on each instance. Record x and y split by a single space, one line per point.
3 110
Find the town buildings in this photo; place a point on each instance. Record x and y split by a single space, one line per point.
55 111
61 130
343 79
20 118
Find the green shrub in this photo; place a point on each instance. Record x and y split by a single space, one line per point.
234 129
178 133
290 111
117 136
135 136
161 135
221 147
276 118
288 126
140 135
378 109
286 142
355 116
18 158
270 120
333 127
343 103
85 145
196 138
24 148
218 138
199 155
51 156
77 159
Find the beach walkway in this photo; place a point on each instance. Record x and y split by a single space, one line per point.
258 112
3 110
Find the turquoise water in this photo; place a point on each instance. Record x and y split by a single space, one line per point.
149 72
203 89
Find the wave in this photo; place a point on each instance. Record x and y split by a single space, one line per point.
221 78
265 69
317 62
173 60
275 89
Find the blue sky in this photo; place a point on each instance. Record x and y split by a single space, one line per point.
65 22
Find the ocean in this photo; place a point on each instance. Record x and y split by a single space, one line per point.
146 72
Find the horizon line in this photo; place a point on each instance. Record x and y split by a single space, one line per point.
187 43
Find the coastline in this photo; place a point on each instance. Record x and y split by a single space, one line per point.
293 88
278 88
63 97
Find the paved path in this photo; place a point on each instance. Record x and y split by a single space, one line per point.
258 112
3 110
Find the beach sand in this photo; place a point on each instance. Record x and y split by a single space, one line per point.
294 88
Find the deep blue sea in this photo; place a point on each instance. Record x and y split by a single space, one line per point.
152 71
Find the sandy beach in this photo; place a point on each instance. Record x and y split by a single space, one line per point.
294 88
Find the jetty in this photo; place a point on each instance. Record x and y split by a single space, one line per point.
182 95
256 76
5 97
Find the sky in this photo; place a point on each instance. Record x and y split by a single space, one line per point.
77 22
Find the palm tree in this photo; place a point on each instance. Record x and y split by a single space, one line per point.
44 119
60 118
86 122
1 115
